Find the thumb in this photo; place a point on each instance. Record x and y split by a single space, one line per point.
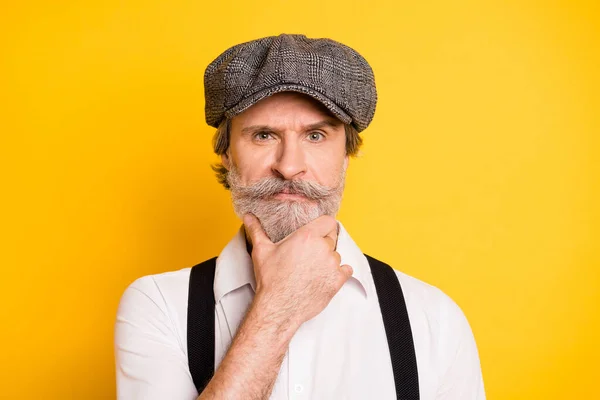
347 271
255 230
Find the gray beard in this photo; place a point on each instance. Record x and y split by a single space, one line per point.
279 218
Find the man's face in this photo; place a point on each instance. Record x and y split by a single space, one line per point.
286 160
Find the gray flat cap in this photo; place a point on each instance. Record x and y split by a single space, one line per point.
329 71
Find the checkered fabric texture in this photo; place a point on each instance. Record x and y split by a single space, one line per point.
329 71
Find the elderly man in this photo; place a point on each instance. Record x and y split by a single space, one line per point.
291 308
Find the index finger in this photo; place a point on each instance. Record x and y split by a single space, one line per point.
255 230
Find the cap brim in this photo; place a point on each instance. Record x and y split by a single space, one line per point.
256 97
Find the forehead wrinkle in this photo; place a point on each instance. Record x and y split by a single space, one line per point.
286 111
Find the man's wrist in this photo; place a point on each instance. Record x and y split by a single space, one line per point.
280 321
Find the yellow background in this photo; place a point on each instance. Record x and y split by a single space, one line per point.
479 174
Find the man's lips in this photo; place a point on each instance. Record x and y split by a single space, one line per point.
287 195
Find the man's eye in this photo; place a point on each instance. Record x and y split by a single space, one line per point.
316 136
262 136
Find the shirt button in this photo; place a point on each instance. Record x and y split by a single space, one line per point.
298 388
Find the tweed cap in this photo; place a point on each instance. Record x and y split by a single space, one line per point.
324 69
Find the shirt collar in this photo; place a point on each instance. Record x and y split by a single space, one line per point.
234 265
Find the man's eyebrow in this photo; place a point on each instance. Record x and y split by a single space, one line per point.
322 124
256 128
317 125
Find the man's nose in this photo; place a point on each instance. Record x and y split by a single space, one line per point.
290 162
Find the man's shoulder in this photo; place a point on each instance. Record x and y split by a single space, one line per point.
421 290
428 303
433 313
163 293
162 282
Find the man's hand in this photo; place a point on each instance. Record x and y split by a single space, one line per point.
295 280
297 277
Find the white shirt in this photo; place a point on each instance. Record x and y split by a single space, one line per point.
342 353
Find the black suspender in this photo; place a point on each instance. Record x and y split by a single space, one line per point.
201 323
397 329
201 327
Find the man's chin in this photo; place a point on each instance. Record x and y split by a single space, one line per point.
282 216
285 217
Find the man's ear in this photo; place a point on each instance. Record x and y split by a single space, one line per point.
225 160
346 161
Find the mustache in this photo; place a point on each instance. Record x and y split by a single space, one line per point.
270 186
